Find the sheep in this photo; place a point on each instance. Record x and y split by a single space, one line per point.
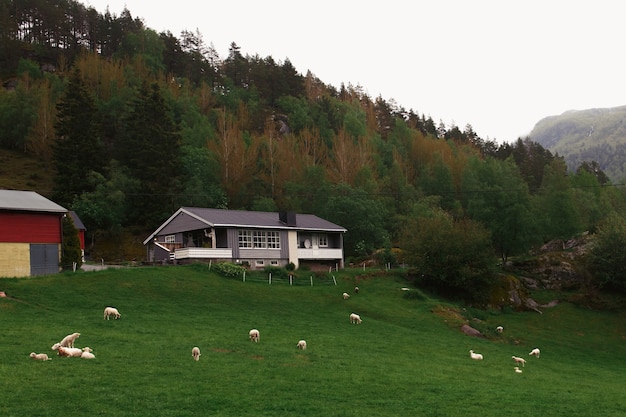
356 290
519 360
69 352
476 356
68 341
535 352
255 336
87 353
355 319
346 295
499 329
301 345
40 356
111 311
517 370
195 352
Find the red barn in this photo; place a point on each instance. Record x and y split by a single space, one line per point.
30 234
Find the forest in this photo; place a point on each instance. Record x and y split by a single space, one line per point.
134 124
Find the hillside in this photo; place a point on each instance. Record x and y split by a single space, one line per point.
587 135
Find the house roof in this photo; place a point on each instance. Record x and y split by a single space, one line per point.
27 201
78 224
253 219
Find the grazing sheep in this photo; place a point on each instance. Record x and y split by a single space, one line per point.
356 290
517 370
346 295
68 341
69 352
355 319
87 353
40 356
111 311
535 352
255 336
519 360
499 329
476 356
301 345
195 352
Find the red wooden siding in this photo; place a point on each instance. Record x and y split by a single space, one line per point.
30 227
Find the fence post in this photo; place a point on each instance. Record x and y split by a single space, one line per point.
334 280
290 279
244 275
311 280
210 260
270 279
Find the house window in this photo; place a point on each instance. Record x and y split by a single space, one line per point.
258 239
273 240
245 238
323 241
170 239
259 263
273 262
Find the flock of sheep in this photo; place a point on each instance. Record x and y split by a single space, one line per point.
66 347
518 361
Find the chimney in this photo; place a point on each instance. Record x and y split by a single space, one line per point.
288 217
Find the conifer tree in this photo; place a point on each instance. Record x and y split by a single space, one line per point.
70 249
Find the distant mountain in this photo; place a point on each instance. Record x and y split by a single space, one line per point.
587 135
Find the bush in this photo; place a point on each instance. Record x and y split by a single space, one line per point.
229 269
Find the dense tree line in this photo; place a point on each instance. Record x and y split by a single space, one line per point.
135 124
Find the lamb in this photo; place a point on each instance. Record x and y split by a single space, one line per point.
87 353
68 341
69 352
346 295
40 356
517 370
111 311
476 356
519 360
355 319
535 352
356 290
499 329
255 336
301 345
195 352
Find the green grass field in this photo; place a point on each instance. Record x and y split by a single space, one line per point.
403 360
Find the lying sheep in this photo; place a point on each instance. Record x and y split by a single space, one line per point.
519 360
68 341
40 356
355 319
111 311
535 352
195 352
87 353
69 352
301 345
255 336
499 329
346 295
476 356
517 370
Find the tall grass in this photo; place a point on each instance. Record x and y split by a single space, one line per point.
403 360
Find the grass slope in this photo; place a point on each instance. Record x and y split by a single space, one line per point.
403 360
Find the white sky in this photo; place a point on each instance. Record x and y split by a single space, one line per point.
498 65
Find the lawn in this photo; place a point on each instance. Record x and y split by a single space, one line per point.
403 360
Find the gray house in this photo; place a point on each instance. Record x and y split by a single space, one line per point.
253 238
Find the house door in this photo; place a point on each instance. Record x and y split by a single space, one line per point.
44 259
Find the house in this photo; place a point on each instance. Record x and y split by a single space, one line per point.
78 224
31 233
252 238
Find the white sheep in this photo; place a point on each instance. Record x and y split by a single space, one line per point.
301 345
40 356
499 329
111 312
68 341
517 370
69 352
519 360
195 352
535 352
255 336
86 354
346 295
355 319
476 356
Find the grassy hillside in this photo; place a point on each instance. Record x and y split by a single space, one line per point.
403 360
20 172
587 135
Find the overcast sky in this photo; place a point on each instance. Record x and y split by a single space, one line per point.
498 65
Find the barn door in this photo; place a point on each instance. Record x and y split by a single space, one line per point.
44 259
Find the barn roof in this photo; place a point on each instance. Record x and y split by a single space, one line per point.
16 200
78 223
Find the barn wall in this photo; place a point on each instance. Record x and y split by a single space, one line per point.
14 260
30 227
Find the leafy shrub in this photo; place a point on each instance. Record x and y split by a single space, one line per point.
229 269
277 272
